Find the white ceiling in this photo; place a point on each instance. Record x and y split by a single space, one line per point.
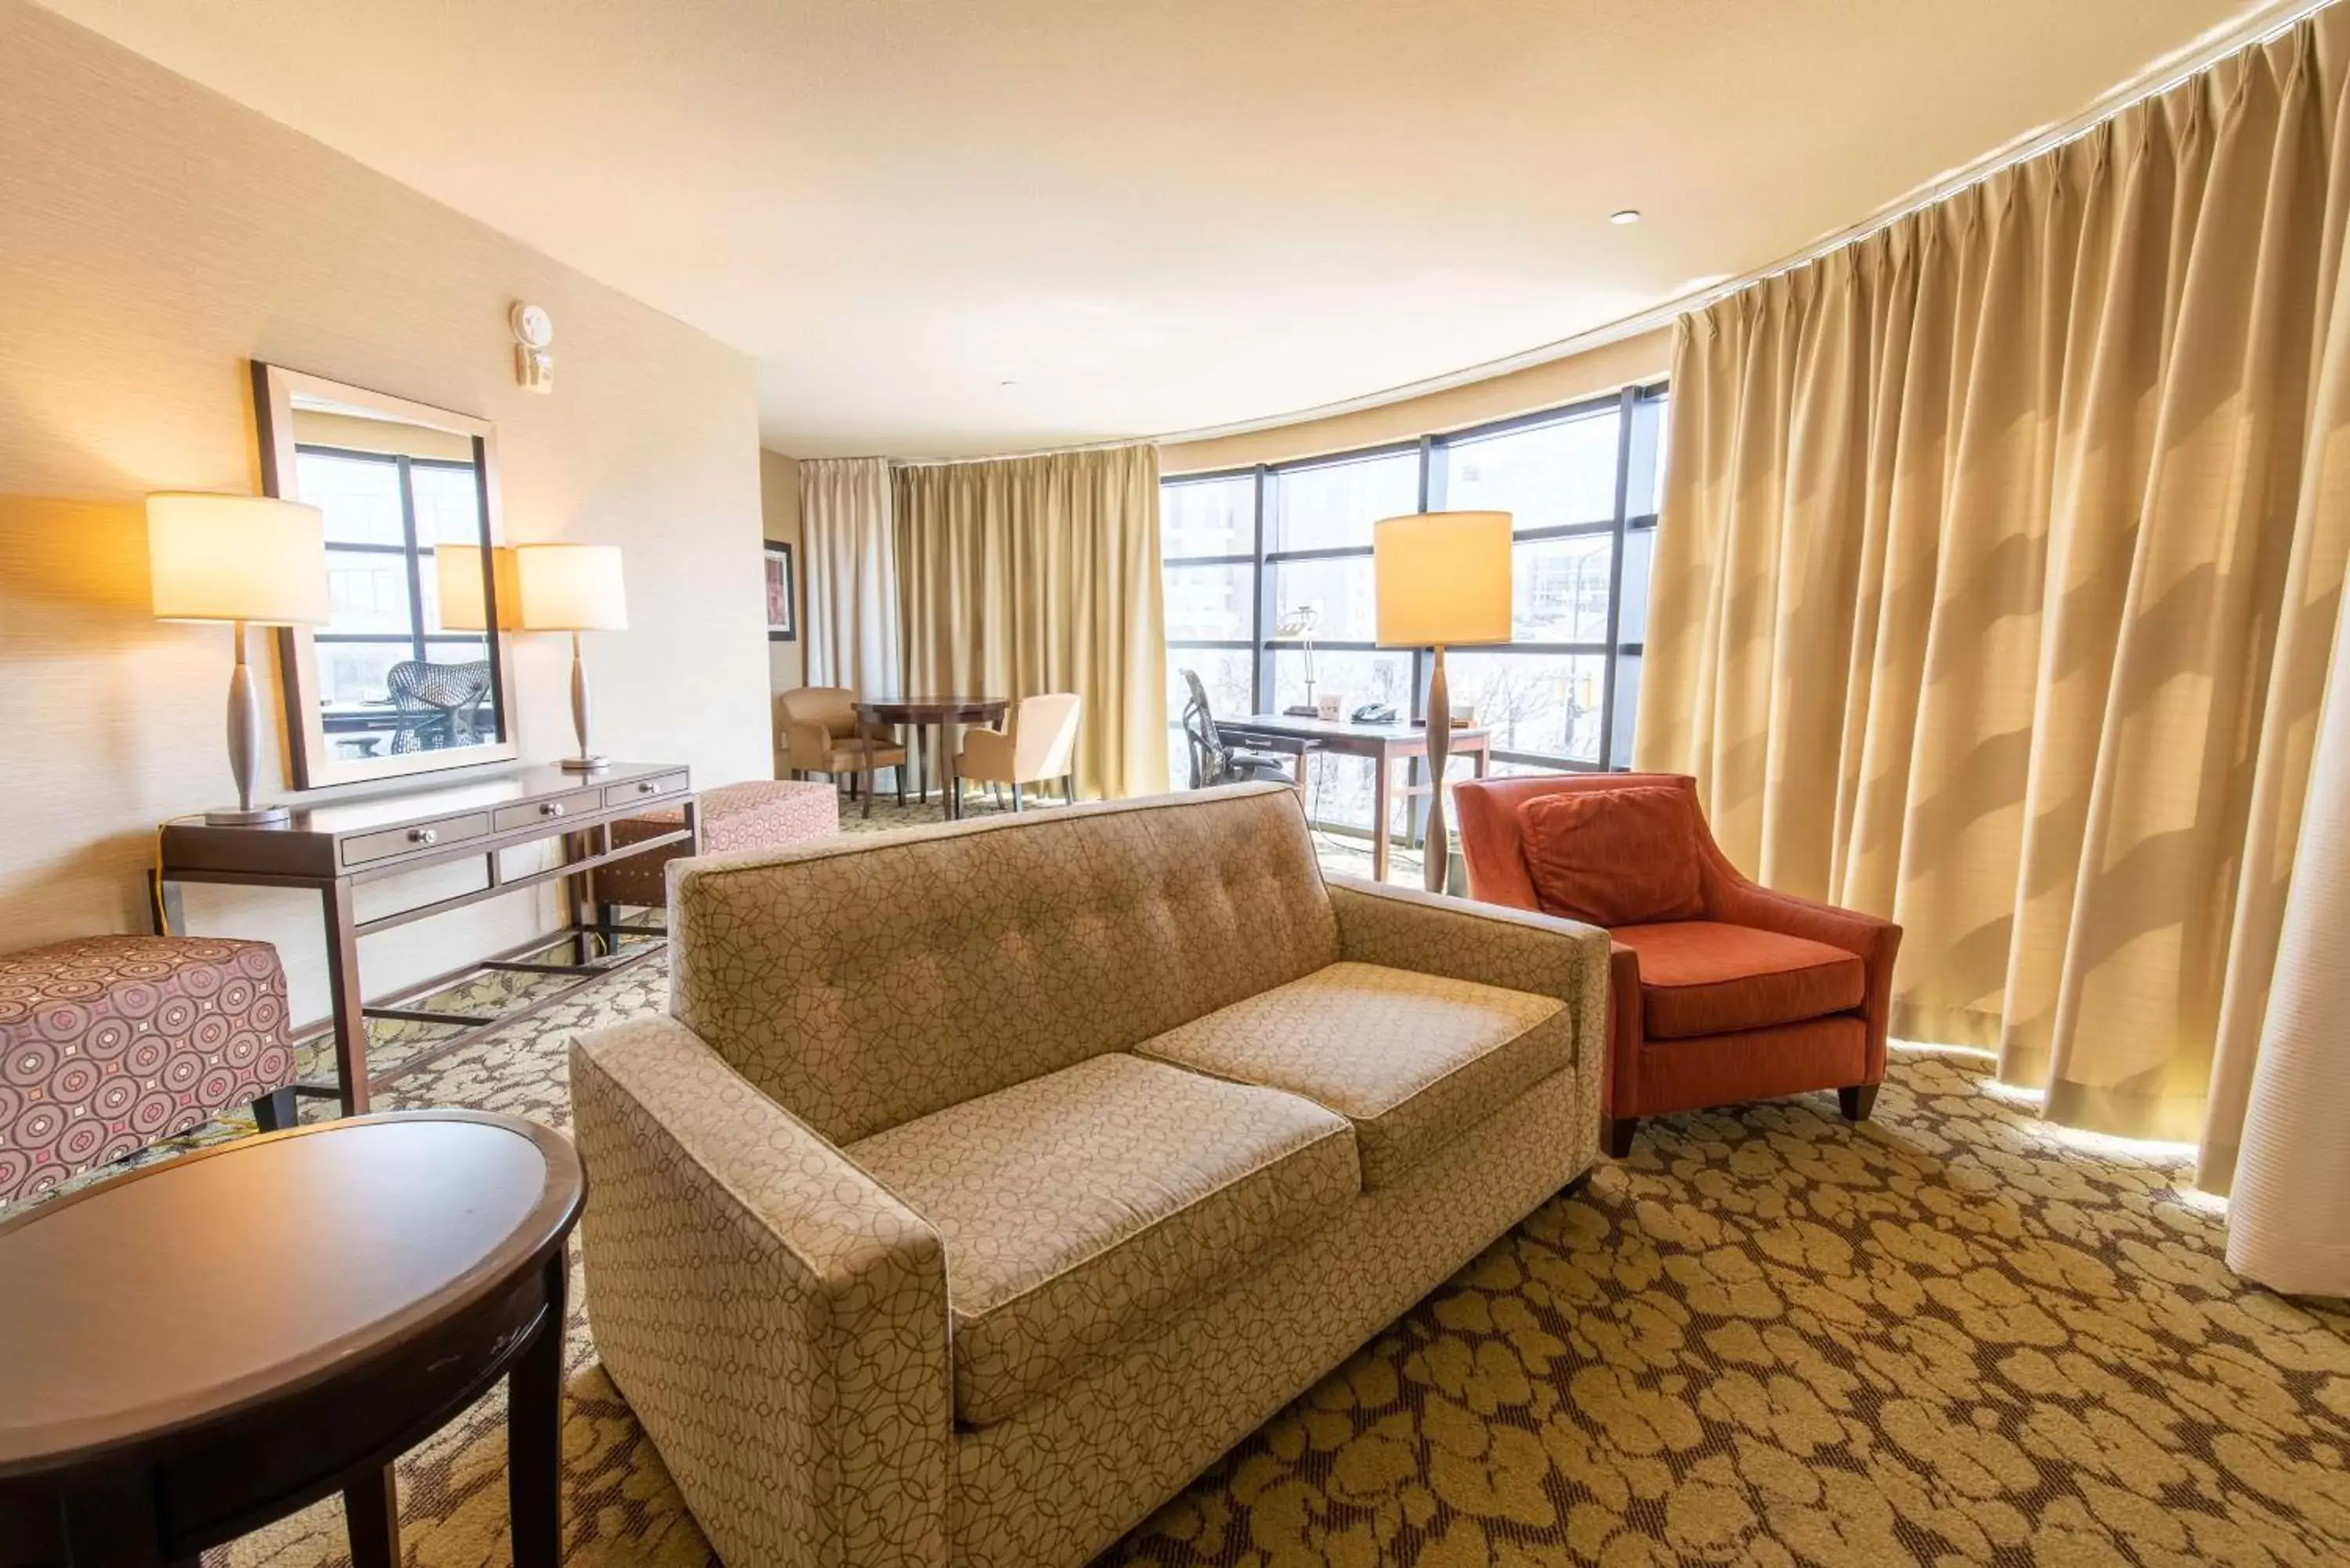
955 226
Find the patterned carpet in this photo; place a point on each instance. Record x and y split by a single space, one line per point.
1955 1337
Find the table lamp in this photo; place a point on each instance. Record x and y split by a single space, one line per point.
573 588
1299 623
458 584
1442 578
240 559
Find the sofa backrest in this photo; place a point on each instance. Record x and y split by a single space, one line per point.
863 982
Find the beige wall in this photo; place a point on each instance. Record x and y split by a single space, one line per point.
779 507
154 238
1604 370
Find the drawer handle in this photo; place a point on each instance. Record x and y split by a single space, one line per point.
551 808
649 789
423 835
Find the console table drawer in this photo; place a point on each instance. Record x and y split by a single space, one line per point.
638 791
383 846
539 813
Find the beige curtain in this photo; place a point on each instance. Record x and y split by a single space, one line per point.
1041 574
850 549
2289 1215
1997 579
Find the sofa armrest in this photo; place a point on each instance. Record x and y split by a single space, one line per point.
806 744
1517 949
1729 896
1741 902
775 1317
987 754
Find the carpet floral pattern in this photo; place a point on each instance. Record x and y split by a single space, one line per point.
1951 1337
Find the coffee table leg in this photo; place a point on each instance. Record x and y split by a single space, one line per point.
534 1434
371 1509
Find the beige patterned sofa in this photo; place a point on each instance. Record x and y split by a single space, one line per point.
990 1180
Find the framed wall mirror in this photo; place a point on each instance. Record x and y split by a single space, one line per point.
410 672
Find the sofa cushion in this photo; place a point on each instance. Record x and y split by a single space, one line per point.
1614 857
1706 977
1412 1060
1081 1208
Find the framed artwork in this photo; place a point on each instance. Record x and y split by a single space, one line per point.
783 595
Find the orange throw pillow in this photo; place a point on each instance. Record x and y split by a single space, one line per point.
1614 857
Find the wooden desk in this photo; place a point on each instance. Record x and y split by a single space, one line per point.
161 1401
1385 745
919 713
333 847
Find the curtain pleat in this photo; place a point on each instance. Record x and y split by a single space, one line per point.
1994 589
851 543
1031 574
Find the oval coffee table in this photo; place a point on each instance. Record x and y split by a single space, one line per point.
195 1349
935 714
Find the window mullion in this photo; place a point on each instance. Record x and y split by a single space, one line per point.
1616 577
415 561
1261 660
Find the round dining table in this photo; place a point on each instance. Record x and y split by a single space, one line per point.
934 714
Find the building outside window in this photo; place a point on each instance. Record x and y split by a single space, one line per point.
1257 559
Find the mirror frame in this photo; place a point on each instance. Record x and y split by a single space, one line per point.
313 761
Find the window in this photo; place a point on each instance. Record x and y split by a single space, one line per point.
1258 560
384 516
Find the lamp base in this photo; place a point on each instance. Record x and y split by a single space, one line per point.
258 816
585 764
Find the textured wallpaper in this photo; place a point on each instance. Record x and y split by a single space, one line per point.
154 237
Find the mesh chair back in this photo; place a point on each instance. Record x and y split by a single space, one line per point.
435 704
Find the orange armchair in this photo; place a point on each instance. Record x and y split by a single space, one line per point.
1741 994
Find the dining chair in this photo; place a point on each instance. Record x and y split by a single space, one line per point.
1037 745
822 734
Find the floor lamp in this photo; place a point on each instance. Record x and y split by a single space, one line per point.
1442 579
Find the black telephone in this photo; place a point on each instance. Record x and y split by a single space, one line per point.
1374 713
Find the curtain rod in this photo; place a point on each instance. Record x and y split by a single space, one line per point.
1017 456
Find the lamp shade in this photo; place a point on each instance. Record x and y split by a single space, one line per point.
236 558
457 587
1442 578
571 587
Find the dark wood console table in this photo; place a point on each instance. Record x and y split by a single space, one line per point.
333 847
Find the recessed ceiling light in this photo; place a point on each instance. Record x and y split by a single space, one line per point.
1628 215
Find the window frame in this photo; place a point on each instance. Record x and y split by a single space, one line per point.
416 558
1640 409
